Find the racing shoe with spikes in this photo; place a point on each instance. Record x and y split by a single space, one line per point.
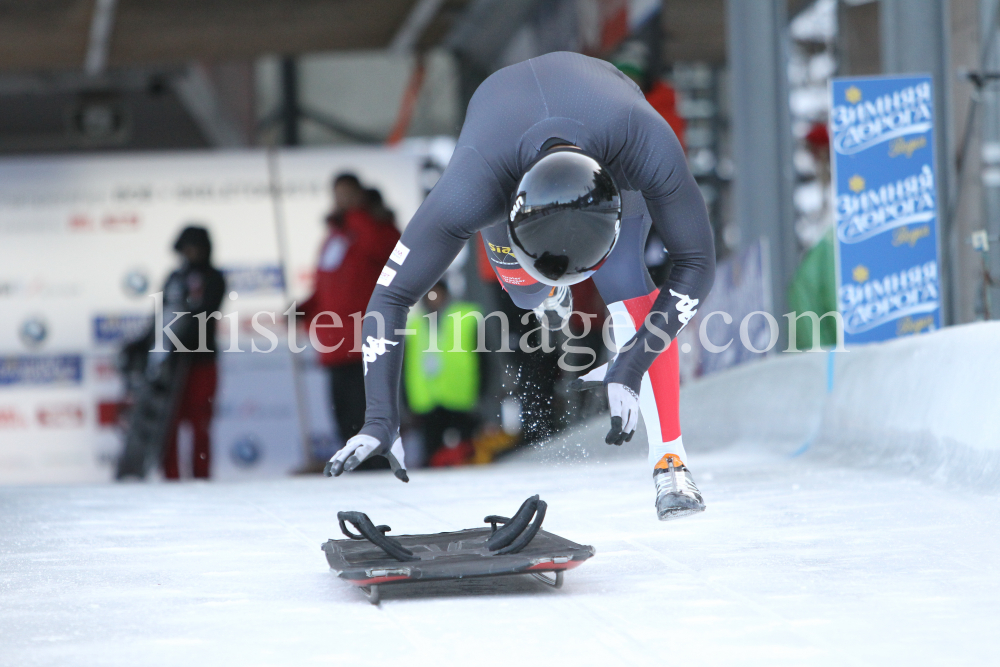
676 493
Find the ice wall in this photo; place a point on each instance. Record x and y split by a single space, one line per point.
928 405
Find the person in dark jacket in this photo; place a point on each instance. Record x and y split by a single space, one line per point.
196 288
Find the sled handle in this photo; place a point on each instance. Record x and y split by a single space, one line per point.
516 532
493 520
374 534
525 538
347 531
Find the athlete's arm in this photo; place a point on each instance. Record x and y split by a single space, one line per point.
466 199
654 163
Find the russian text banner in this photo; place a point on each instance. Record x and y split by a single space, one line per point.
888 280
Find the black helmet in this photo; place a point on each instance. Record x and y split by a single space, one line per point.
565 217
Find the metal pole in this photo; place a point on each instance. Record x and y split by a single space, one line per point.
302 411
101 26
915 40
990 100
290 111
757 44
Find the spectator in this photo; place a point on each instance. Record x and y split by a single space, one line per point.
814 286
442 377
376 206
196 287
356 248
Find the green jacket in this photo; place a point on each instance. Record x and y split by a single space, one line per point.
448 378
814 289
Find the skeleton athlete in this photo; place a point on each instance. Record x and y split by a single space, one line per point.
562 165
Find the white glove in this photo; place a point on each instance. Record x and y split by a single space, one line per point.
360 448
624 405
623 401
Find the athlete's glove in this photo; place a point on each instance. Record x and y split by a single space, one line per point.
362 447
624 404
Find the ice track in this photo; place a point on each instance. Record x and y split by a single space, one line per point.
794 563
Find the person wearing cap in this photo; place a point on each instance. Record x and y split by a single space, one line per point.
563 166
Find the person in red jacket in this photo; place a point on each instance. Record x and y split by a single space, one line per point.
362 235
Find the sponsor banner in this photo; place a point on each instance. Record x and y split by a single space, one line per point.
12 417
104 368
247 451
888 278
60 415
742 292
41 369
255 432
119 329
255 407
90 237
39 288
109 413
254 280
33 331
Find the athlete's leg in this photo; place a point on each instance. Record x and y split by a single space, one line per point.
629 293
659 399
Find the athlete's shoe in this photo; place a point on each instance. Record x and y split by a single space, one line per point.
676 493
554 312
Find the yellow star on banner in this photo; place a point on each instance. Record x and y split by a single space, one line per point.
860 273
856 183
853 95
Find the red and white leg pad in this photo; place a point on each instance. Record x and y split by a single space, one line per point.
659 398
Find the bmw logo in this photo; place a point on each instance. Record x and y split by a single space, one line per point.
34 331
136 283
246 452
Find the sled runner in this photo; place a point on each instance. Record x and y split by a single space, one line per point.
371 559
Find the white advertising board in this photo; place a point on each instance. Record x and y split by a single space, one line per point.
84 241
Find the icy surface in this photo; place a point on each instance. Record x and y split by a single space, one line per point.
794 563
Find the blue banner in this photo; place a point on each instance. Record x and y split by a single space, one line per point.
886 208
41 369
118 329
254 279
